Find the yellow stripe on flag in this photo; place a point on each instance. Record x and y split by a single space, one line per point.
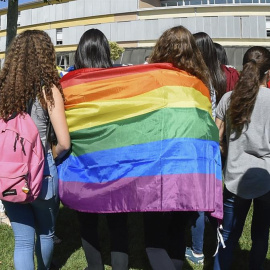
96 113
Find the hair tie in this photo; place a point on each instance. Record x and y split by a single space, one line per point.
253 61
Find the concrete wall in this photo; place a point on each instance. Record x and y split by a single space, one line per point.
75 9
136 56
139 23
222 27
148 30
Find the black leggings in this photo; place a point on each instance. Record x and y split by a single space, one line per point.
117 224
166 230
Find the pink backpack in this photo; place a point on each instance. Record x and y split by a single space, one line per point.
21 159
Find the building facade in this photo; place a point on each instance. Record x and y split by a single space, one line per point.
137 24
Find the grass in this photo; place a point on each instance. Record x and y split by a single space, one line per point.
69 255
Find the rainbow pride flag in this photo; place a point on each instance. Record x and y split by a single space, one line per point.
143 139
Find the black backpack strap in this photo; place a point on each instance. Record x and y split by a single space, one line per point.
50 134
12 116
29 106
28 110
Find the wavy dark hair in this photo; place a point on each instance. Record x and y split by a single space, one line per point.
29 67
93 51
208 50
177 46
221 54
256 63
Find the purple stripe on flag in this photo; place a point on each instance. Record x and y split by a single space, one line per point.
185 192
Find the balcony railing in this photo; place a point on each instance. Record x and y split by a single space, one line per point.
210 2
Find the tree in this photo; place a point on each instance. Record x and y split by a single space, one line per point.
116 50
12 18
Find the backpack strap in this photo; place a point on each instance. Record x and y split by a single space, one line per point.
12 116
29 106
50 134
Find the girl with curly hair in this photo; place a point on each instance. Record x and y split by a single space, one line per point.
243 115
29 73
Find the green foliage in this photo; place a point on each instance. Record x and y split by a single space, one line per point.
116 50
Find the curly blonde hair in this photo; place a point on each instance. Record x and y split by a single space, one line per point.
28 70
177 46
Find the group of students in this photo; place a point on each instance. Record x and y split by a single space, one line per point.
242 119
241 115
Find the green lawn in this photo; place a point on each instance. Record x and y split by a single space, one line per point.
69 255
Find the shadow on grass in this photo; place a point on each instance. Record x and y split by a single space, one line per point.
240 256
67 229
241 259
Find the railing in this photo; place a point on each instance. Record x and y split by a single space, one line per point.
211 2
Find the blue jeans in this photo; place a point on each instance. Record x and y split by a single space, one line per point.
235 213
197 229
197 232
37 218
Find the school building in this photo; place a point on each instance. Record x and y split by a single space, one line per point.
136 24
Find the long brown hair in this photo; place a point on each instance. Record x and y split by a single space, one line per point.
177 46
209 53
256 63
29 66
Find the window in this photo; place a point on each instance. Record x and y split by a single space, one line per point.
59 36
63 61
268 26
19 19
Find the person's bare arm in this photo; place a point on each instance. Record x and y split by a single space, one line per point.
59 123
221 127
